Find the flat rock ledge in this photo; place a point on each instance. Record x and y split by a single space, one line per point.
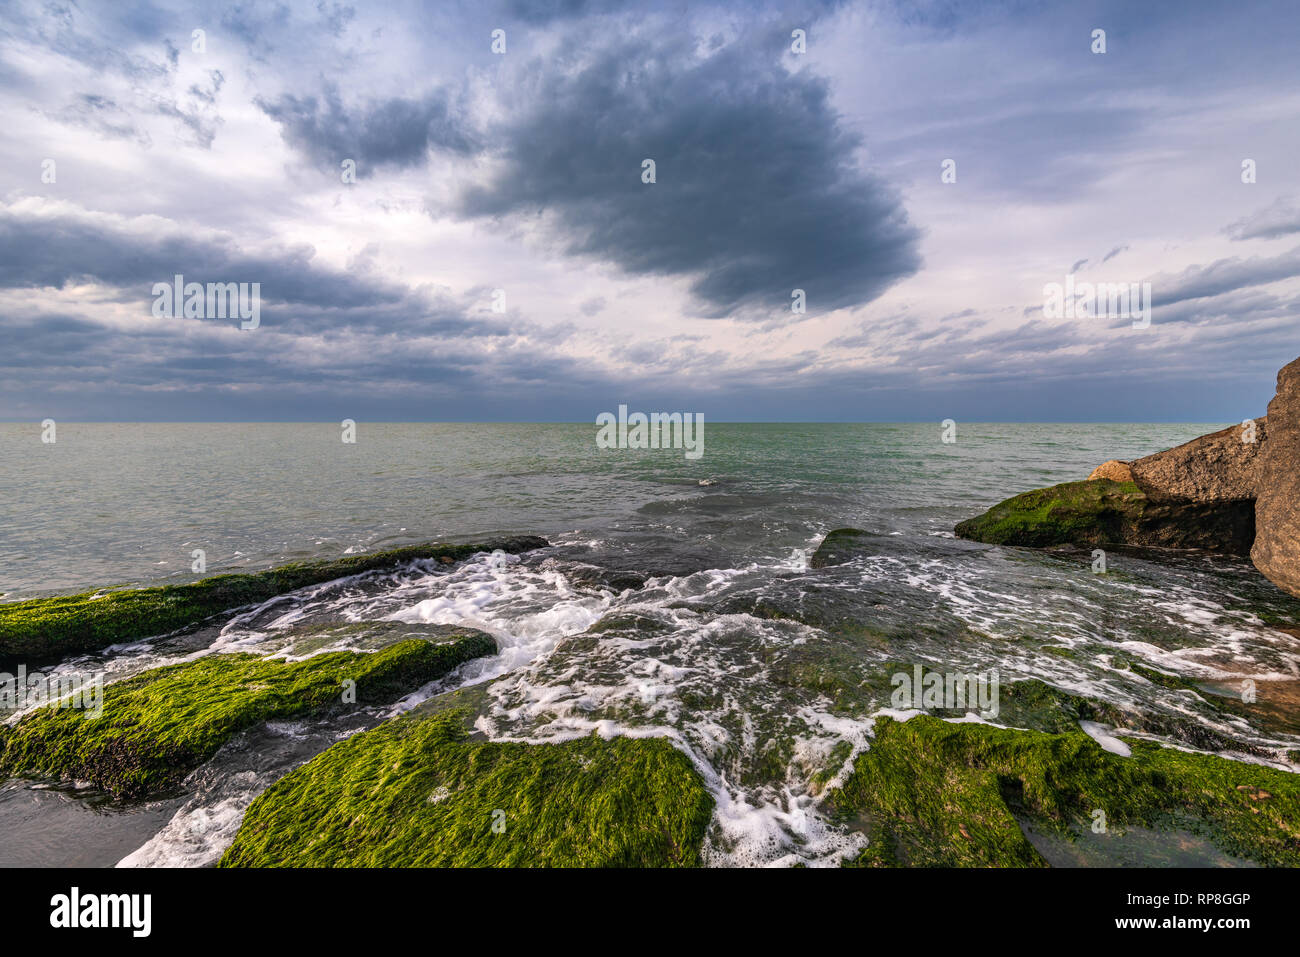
48 629
159 725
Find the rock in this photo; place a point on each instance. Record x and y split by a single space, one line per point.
418 791
839 546
1277 509
1200 494
614 579
933 793
844 545
159 725
46 629
1114 470
1102 512
1223 466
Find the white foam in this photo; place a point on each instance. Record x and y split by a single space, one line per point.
197 836
1104 738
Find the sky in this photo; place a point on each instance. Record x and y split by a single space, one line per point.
445 207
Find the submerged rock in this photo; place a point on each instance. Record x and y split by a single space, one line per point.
51 628
159 725
843 545
418 792
1277 510
939 794
1102 512
840 546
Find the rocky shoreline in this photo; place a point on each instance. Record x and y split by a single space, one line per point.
1235 491
927 786
48 629
426 788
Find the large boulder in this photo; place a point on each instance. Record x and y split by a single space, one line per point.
1223 466
1200 494
1277 507
1102 512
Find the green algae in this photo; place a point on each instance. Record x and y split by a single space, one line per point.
934 793
418 792
46 628
1073 513
1102 512
160 724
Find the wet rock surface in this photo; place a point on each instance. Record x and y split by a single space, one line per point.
1277 510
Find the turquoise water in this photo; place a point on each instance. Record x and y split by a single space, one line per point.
676 598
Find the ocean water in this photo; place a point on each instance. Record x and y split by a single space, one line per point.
709 626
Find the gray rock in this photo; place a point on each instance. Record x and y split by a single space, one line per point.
1277 507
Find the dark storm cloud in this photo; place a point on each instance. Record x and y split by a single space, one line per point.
1224 275
207 370
396 132
757 191
760 189
66 247
299 296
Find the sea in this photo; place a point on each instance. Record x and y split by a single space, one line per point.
676 599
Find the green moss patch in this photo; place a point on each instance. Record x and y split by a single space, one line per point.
418 792
159 725
1102 512
933 793
46 628
1074 513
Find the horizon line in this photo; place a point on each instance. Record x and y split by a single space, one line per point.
37 422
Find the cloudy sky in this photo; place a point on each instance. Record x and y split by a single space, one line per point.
522 171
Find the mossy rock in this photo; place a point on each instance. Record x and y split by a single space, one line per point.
50 628
935 793
418 792
159 725
1102 512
